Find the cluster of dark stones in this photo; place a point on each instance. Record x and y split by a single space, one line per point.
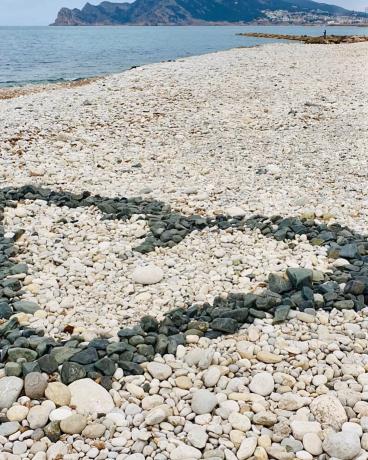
24 350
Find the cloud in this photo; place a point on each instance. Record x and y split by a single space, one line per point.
34 12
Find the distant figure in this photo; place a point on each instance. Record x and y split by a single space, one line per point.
325 34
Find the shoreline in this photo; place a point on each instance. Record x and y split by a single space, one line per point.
10 92
24 90
136 246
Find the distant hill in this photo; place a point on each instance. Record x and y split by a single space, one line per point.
185 12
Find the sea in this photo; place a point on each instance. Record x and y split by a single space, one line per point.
35 55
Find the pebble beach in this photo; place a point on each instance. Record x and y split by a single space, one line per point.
183 261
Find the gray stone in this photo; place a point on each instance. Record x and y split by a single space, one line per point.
203 402
35 384
89 397
8 428
21 353
10 388
344 445
13 369
74 424
71 372
26 307
300 277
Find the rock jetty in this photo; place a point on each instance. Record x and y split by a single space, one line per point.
309 39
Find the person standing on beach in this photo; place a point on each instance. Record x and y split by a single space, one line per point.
325 34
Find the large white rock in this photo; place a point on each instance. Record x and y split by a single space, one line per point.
10 388
344 445
247 448
197 436
235 211
328 410
185 453
203 402
292 401
262 384
158 414
312 443
159 371
149 274
88 397
301 427
239 422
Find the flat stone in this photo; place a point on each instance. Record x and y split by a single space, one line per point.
203 402
247 448
17 413
35 384
268 358
301 427
197 436
235 212
21 353
58 393
9 428
211 376
149 274
313 444
159 371
158 414
38 416
74 424
264 418
344 445
60 413
94 431
71 372
300 277
26 307
89 397
185 453
262 384
57 451
48 364
239 422
10 388
86 356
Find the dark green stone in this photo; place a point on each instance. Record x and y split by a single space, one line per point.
48 364
281 314
87 356
71 372
300 277
106 366
21 353
52 431
227 325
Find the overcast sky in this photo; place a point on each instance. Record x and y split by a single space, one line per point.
43 12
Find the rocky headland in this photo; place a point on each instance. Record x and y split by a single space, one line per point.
187 12
184 261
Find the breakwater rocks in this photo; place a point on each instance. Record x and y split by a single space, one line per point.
308 39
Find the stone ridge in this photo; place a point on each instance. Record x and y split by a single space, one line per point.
183 12
26 350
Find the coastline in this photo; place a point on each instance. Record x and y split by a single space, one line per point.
187 151
25 90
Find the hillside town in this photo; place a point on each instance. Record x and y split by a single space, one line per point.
313 17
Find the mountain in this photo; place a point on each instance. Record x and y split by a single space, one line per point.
185 12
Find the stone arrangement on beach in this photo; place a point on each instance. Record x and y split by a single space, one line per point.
174 311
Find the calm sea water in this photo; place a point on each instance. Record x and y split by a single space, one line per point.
52 54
